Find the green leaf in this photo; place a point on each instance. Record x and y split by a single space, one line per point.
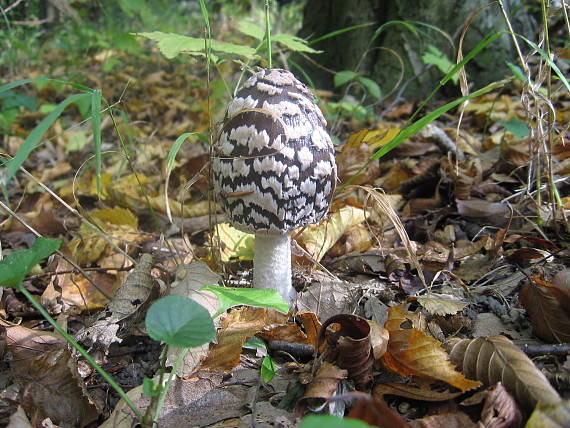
15 267
34 137
517 71
149 389
267 369
294 43
435 57
371 87
516 127
252 30
232 296
179 321
319 421
171 45
11 99
254 343
343 77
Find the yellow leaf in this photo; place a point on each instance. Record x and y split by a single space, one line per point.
116 216
235 243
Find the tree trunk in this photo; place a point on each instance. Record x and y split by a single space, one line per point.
380 59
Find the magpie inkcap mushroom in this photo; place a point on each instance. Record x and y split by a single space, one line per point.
274 169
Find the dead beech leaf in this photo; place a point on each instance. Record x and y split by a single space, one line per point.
322 387
440 304
496 359
238 326
499 408
412 352
494 213
553 416
318 239
379 337
546 308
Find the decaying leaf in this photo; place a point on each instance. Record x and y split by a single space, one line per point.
412 352
421 393
374 412
323 386
350 347
126 309
238 326
496 359
548 309
440 304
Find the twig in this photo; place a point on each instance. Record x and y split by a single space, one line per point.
92 269
12 6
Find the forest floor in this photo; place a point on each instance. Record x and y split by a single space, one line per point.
445 270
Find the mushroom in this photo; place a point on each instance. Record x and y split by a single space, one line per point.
274 169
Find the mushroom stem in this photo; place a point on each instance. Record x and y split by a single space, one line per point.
272 264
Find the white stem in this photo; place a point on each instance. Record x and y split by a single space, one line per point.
272 264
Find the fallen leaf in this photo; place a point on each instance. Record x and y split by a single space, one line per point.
499 408
322 387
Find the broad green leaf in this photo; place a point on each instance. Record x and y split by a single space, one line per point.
171 45
232 296
255 343
34 137
328 421
76 141
179 321
293 43
435 57
516 127
15 266
343 77
371 87
267 369
252 30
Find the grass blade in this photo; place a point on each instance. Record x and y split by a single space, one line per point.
96 126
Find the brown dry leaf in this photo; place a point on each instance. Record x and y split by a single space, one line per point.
554 416
54 374
379 337
322 387
238 326
318 239
374 412
547 307
499 408
356 240
494 213
311 326
423 393
496 359
412 352
440 304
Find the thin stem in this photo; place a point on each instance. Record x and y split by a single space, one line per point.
268 33
171 377
82 351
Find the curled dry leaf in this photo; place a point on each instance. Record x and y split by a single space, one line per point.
350 347
413 353
423 393
496 359
548 309
499 408
322 387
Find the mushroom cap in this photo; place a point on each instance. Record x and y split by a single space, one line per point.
273 162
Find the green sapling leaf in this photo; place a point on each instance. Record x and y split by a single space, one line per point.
318 421
267 369
179 321
232 296
15 267
343 77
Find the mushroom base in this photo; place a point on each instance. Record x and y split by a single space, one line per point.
272 264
